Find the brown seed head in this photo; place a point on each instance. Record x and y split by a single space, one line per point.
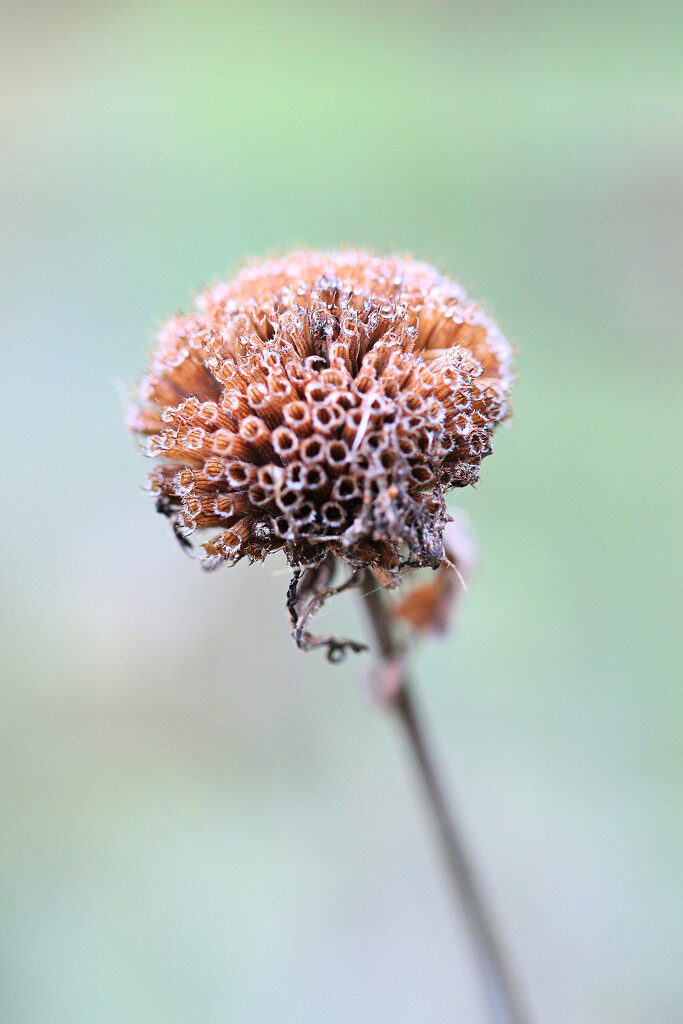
323 404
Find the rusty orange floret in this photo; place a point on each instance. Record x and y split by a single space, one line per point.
322 404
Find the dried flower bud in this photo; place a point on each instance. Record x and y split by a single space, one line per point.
323 404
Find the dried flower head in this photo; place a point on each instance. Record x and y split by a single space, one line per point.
323 404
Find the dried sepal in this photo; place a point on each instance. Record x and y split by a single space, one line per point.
308 590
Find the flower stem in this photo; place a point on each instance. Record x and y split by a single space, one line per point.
504 1003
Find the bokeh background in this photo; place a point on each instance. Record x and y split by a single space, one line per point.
198 824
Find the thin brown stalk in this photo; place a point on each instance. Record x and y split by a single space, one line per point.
504 1001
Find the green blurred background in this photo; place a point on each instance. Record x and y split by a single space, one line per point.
199 824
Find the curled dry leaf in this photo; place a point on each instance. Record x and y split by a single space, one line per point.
430 607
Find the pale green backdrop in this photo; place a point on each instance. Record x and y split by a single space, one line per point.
199 825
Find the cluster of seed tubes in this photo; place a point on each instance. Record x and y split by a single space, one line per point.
322 403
